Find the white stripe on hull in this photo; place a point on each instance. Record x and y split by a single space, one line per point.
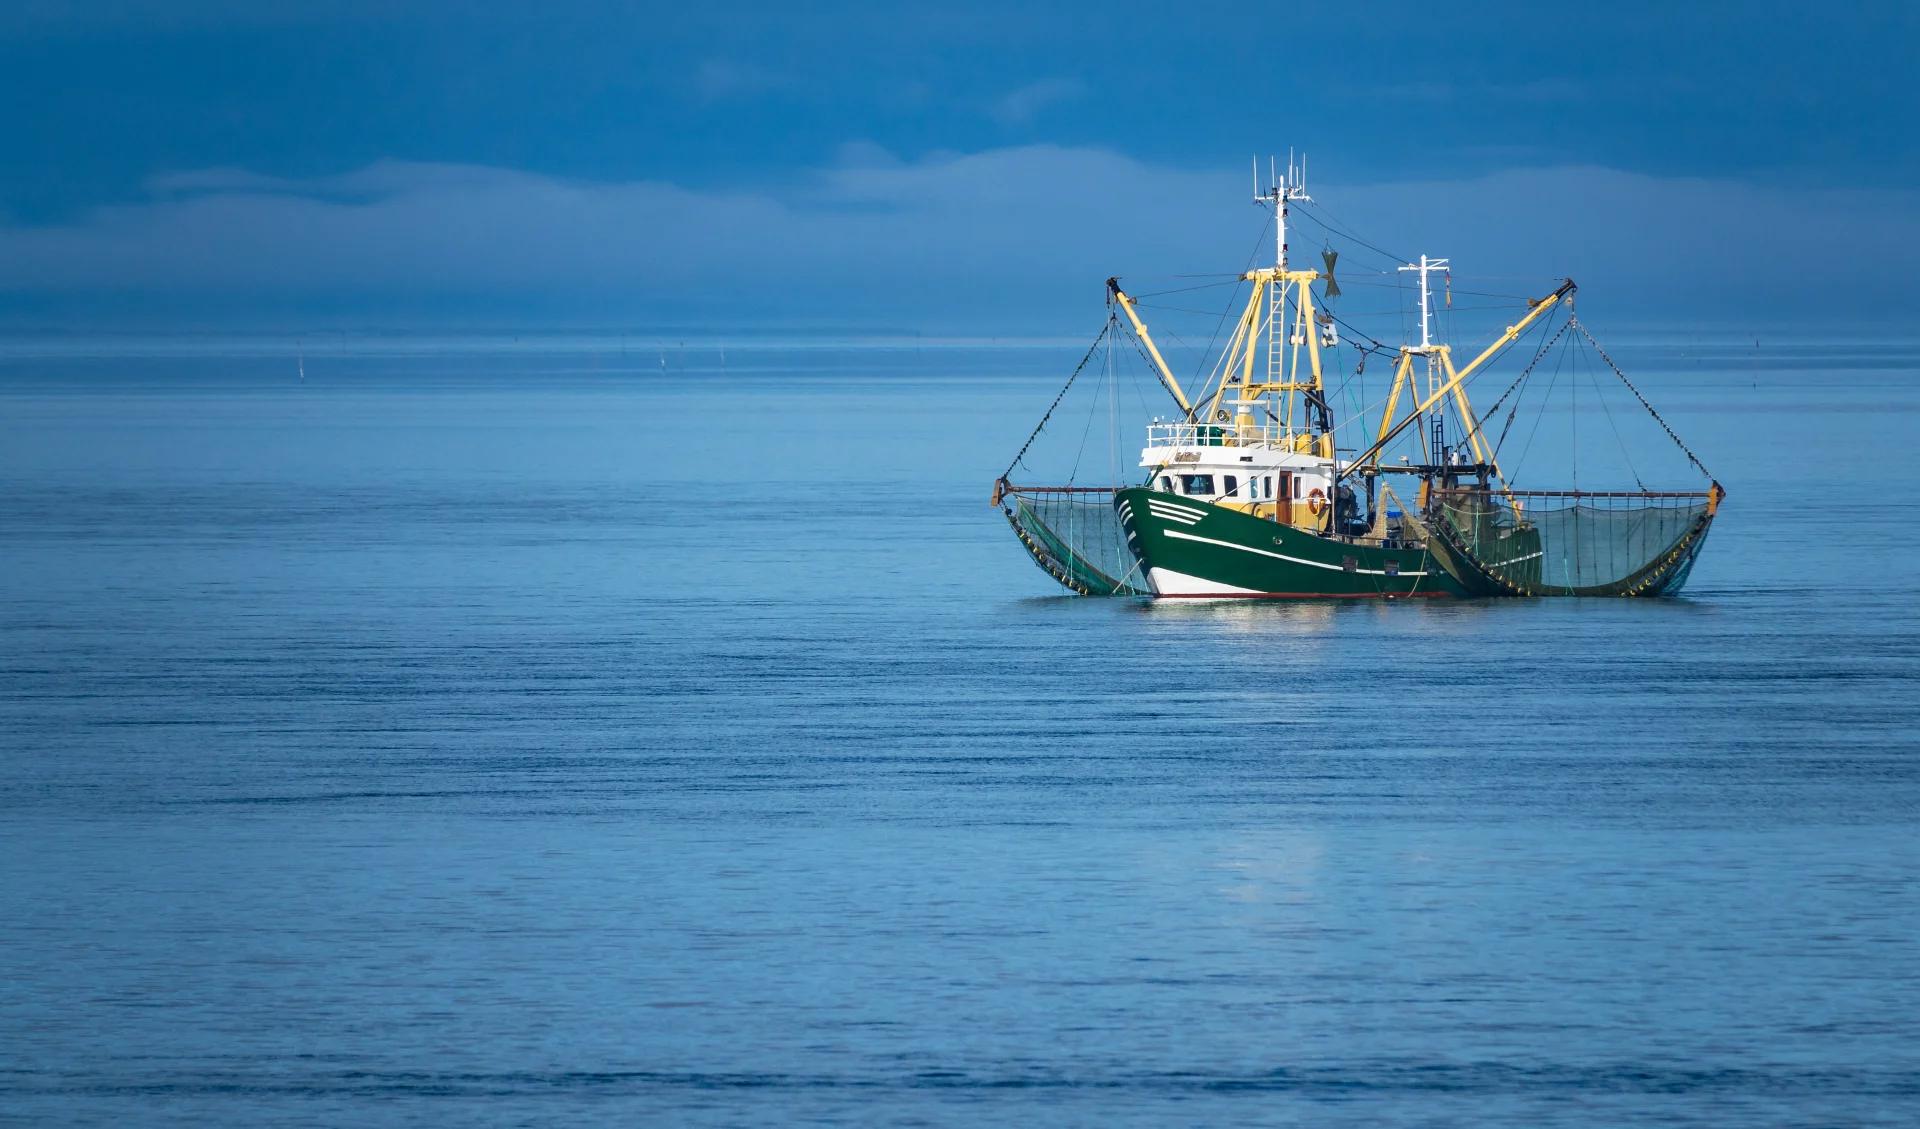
1170 585
1282 556
1173 513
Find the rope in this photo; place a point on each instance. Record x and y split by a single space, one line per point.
1337 227
1524 373
1528 369
1234 300
1617 437
1643 400
1056 400
1226 280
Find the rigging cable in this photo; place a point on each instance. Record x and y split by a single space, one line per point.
1235 299
1233 280
1558 364
1626 455
1524 373
1093 409
1340 229
1643 400
1056 400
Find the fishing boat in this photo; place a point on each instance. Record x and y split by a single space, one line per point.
1251 488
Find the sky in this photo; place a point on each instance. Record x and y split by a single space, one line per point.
973 168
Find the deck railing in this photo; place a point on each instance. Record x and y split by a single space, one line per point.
1217 435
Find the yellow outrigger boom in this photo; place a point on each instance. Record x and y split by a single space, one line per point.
1404 373
1140 330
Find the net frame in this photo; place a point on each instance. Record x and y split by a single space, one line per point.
1074 534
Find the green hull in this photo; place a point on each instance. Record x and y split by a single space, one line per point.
1196 550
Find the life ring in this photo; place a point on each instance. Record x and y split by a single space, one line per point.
1316 501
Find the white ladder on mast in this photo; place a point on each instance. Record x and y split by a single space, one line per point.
1276 332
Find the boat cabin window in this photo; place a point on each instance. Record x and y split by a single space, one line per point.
1269 490
1166 484
1296 486
1232 487
1197 484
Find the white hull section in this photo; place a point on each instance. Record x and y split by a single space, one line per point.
1170 585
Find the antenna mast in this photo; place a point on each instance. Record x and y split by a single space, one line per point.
1425 267
1435 379
1285 188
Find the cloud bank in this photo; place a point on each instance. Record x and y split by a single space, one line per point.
1004 241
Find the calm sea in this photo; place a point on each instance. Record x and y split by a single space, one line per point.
483 733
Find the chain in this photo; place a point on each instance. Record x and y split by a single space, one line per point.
1523 373
1056 400
1643 400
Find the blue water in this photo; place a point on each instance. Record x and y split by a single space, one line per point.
528 736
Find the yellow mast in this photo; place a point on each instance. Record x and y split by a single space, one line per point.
1454 385
1267 307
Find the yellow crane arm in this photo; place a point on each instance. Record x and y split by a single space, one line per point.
1505 339
1140 330
1513 331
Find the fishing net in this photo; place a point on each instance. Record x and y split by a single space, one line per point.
1570 544
1502 542
1072 531
1075 535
